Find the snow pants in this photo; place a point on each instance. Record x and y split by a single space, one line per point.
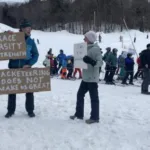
92 88
128 73
146 80
29 104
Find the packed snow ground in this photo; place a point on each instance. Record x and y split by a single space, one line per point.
124 112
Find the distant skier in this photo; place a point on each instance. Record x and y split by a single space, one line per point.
64 68
129 67
70 64
121 67
111 61
107 67
100 38
60 59
134 39
121 38
139 71
38 41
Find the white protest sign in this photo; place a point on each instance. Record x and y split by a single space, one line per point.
80 50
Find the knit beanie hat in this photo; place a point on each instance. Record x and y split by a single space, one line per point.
91 36
25 23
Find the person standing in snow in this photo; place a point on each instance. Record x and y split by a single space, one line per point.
75 72
52 65
70 65
31 59
111 61
64 68
50 52
46 61
90 79
129 67
100 68
145 64
100 38
121 67
107 68
60 59
139 71
55 65
38 41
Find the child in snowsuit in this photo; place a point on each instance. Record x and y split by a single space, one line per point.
64 69
70 67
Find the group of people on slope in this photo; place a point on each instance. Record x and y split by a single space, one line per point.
122 65
90 76
63 64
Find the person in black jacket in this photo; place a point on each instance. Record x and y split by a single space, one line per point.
107 67
145 64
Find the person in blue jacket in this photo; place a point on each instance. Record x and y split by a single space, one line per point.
129 67
64 69
31 59
60 59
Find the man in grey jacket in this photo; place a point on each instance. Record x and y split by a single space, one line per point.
90 80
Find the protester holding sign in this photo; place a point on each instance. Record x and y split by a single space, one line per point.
90 79
31 58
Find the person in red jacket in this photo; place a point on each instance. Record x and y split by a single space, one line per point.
139 71
75 72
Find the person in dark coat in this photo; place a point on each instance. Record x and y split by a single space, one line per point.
38 41
129 67
100 68
111 62
90 80
70 65
107 67
31 59
145 64
55 65
50 52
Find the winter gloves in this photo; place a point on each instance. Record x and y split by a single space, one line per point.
89 60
